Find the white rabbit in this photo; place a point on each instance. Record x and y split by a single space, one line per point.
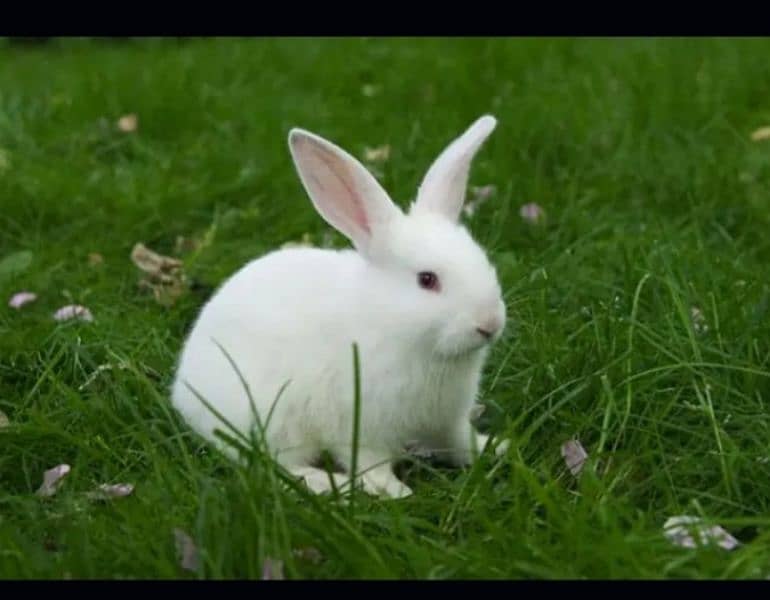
417 295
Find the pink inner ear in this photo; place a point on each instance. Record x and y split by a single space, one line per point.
345 204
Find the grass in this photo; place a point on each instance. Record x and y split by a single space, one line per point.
656 200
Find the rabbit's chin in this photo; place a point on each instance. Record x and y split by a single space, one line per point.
461 348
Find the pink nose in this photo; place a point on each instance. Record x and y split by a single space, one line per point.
489 326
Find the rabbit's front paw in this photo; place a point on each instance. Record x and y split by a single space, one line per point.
382 483
500 446
317 480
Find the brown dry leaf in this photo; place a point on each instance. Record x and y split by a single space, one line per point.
21 298
52 479
165 294
479 195
157 265
186 550
106 491
574 455
763 133
272 569
95 259
379 154
680 530
128 123
165 276
698 320
4 420
309 554
73 311
185 244
532 213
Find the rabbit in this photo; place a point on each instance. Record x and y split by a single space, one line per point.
416 294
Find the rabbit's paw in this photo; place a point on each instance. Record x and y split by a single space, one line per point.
500 446
384 483
317 481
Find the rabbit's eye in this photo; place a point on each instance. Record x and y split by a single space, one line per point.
428 280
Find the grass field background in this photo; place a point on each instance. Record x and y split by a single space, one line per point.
657 202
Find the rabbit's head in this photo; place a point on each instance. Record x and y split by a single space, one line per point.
427 263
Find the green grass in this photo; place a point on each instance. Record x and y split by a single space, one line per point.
657 201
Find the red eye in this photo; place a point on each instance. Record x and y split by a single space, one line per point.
428 280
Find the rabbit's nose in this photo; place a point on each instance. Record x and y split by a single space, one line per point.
490 326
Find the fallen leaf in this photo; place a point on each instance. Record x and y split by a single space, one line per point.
73 311
309 554
380 154
15 263
95 259
153 263
21 298
52 479
531 213
128 123
165 279
763 133
107 491
698 320
679 530
165 294
186 551
574 455
186 244
4 420
272 569
479 195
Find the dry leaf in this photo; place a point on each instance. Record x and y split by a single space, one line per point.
95 259
574 455
370 90
698 320
21 298
4 420
186 551
106 491
532 213
184 244
73 311
52 479
165 278
153 263
380 154
309 554
680 530
479 195
128 123
272 569
763 133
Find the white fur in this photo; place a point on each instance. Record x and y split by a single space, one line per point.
289 319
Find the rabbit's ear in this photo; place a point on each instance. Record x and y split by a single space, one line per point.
443 188
345 194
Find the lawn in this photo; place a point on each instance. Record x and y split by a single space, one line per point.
638 306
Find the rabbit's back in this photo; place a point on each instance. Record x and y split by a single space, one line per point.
282 320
